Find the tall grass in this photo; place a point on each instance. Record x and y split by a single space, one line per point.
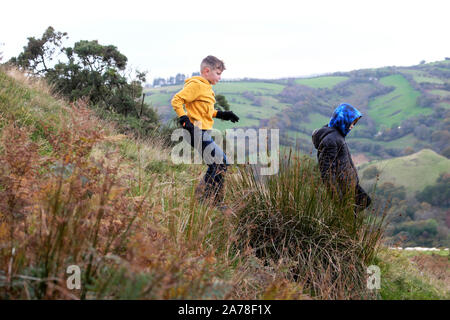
292 217
74 192
60 209
72 195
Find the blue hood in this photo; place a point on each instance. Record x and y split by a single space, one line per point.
343 117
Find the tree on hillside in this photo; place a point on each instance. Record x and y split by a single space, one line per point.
389 190
93 71
446 152
90 70
38 53
422 132
437 194
407 151
421 233
371 172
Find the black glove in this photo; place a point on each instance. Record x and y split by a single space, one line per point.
227 115
185 122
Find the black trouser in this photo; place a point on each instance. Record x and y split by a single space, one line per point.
214 176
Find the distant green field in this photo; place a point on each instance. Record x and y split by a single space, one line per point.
268 108
414 172
386 110
160 98
408 140
263 88
243 122
442 93
249 113
445 105
394 107
237 98
233 87
422 77
297 135
165 89
316 120
321 82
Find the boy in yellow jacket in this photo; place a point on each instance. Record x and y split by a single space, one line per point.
198 98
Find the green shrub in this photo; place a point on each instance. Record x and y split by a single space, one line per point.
371 173
438 194
422 232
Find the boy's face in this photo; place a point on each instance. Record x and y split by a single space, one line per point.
212 75
353 124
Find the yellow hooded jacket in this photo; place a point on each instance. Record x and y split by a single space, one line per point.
198 97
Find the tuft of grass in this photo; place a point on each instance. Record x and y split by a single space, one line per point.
293 218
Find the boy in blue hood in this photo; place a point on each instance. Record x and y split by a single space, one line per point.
335 162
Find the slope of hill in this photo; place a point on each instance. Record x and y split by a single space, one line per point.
414 172
416 189
405 109
399 104
75 193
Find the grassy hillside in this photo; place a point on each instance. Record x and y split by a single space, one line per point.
321 82
402 107
413 275
414 172
415 188
399 104
74 192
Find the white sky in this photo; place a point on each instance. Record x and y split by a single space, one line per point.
261 39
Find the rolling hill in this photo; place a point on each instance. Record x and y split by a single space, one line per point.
406 109
77 193
414 172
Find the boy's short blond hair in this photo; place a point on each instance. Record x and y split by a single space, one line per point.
212 63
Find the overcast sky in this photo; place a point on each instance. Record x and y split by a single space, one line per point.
260 39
